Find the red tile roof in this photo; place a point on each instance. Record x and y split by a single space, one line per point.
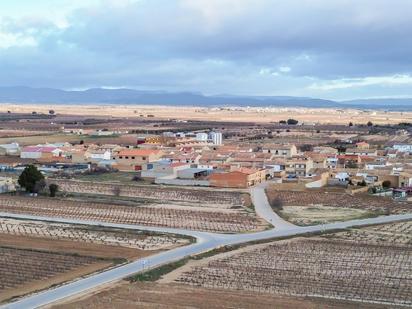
138 152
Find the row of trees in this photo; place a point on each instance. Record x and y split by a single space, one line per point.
369 124
32 180
289 121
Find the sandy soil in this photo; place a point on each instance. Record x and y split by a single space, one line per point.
170 296
322 115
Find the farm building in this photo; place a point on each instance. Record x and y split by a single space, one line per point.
241 178
163 168
12 149
136 159
40 152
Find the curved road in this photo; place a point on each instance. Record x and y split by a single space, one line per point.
205 241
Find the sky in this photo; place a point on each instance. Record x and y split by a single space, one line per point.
332 49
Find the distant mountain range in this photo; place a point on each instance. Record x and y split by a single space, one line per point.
131 96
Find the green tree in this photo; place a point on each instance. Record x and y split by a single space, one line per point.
292 122
386 184
276 203
30 179
53 188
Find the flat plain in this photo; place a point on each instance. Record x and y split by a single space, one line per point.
251 114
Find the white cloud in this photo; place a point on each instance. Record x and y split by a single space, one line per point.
8 40
294 47
346 83
281 70
285 69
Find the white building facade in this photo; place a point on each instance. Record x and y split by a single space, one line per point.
216 138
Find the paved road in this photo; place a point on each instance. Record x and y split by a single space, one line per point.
264 210
205 242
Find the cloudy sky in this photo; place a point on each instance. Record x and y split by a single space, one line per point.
336 49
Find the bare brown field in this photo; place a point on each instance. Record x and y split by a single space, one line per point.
150 295
73 247
262 115
195 218
18 133
310 268
41 139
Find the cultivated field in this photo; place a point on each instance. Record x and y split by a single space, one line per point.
194 218
199 197
24 270
82 234
399 234
314 207
310 267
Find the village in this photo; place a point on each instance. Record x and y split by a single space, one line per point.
209 154
123 192
380 166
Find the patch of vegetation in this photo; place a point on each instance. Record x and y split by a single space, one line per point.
292 121
32 179
386 184
53 188
121 177
215 251
276 204
156 273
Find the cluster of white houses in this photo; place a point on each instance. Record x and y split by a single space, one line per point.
203 160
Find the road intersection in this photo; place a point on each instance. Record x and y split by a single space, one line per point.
205 241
